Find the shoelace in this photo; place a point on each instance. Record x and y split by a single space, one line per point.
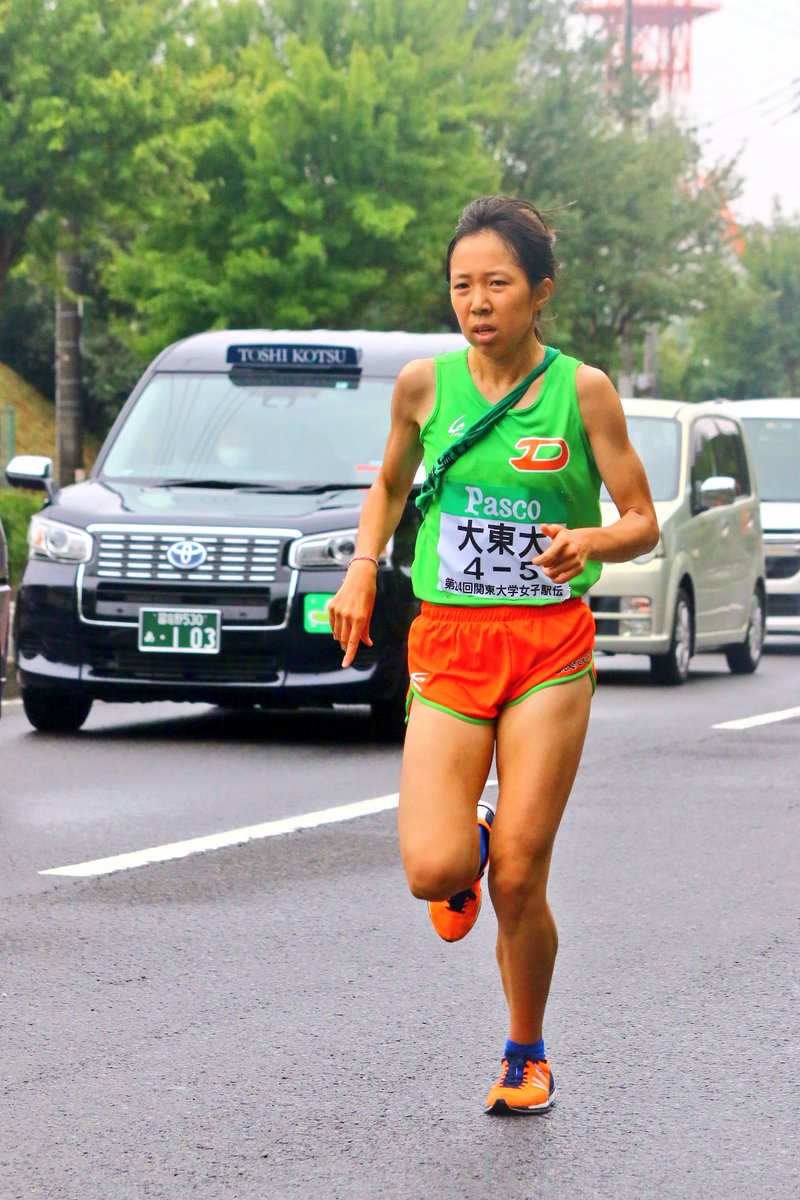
457 903
517 1072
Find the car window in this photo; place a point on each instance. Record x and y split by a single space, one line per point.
657 441
729 455
703 465
775 447
198 426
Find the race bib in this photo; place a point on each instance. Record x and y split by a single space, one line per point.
487 537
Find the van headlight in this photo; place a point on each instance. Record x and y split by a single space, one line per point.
327 550
637 616
57 542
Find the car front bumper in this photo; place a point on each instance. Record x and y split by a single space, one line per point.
630 604
782 559
70 641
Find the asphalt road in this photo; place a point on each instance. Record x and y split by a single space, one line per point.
275 1020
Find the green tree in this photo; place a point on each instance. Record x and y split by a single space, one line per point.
642 239
338 163
95 94
772 261
744 341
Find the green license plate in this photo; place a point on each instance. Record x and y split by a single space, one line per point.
179 630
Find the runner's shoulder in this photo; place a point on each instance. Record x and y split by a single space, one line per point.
416 383
591 381
596 392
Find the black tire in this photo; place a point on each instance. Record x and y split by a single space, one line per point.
55 712
744 657
672 668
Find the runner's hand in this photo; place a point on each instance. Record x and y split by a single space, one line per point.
350 611
567 555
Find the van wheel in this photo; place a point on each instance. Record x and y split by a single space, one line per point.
672 668
55 712
744 657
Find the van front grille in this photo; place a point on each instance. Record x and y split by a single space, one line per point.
231 557
239 606
782 566
783 606
253 667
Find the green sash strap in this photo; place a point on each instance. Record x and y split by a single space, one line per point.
453 453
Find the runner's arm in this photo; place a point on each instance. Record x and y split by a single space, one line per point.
350 610
636 531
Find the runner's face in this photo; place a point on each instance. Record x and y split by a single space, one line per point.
490 293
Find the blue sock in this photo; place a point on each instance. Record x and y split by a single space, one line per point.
532 1050
483 838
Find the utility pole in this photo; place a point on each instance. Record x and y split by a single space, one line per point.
627 366
628 63
69 408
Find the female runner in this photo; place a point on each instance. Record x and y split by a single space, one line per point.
501 655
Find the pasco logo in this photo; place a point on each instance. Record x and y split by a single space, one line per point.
458 426
541 454
186 555
418 679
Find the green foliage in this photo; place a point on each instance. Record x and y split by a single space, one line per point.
16 510
92 93
330 179
291 163
642 238
744 341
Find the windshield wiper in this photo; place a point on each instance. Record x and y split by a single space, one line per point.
196 483
244 486
306 488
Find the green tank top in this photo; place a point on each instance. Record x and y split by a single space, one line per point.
535 465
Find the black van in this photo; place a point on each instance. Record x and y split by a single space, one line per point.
197 560
5 606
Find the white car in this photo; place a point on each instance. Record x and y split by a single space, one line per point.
773 434
703 586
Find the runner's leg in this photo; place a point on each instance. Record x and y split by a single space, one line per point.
446 763
539 744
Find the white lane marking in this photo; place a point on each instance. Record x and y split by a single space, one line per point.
785 714
8 703
233 837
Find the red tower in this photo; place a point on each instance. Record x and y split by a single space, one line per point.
661 36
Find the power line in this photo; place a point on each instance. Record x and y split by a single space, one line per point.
765 20
787 91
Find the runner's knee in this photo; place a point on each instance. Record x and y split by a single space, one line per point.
436 877
518 886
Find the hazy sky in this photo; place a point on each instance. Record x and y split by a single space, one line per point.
746 84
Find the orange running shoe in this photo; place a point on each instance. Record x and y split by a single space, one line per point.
523 1087
452 919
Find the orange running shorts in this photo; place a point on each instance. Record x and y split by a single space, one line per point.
472 662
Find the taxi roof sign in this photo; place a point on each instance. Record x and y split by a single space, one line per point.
295 357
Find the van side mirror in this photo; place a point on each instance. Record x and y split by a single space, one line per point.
33 471
715 492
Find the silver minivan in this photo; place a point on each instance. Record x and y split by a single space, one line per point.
703 586
773 437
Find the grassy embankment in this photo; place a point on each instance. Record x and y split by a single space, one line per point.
35 434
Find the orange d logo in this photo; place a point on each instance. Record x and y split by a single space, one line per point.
541 454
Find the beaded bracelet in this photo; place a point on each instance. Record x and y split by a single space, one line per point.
363 558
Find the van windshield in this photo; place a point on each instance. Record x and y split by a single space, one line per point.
775 446
191 428
657 441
